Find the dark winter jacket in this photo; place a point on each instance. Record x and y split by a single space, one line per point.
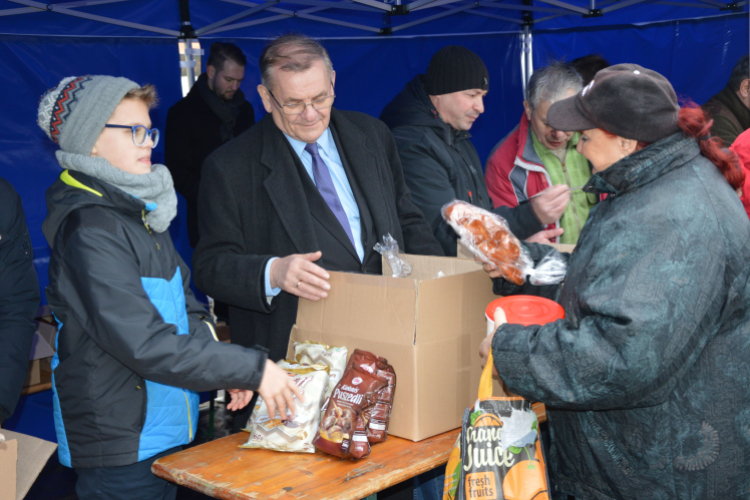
19 298
646 380
134 343
192 133
441 164
731 116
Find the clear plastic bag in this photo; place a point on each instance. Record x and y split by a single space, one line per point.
488 237
389 248
291 433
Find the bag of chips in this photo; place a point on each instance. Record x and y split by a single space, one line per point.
292 433
314 353
499 455
343 429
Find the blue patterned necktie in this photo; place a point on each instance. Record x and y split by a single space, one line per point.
324 182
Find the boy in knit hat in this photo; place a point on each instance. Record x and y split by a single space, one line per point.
134 346
430 120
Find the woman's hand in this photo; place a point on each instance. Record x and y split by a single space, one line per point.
240 399
486 346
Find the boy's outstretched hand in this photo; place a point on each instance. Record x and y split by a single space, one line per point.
278 390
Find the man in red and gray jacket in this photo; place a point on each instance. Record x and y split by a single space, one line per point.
535 156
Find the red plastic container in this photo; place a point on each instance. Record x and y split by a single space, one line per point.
524 310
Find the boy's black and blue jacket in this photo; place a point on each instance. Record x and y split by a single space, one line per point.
134 343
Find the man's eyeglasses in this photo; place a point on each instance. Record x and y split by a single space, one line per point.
296 108
140 133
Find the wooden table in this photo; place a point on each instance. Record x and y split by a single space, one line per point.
222 470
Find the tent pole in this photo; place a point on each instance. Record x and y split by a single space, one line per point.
527 63
189 47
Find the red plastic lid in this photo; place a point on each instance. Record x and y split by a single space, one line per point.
527 310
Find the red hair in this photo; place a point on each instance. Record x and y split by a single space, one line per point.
694 123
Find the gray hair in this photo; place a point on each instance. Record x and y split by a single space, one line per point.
292 52
551 82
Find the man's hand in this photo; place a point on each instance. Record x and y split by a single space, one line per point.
296 274
545 237
278 389
240 399
548 205
486 346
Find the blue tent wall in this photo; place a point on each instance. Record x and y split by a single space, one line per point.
696 55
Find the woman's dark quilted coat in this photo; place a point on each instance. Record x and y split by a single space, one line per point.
647 380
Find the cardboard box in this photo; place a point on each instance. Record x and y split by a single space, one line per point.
33 373
8 467
428 328
22 458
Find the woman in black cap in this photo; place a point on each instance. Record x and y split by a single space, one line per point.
646 381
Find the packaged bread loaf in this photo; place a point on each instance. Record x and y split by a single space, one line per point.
343 428
293 433
488 237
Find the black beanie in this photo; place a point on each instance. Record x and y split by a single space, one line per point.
453 69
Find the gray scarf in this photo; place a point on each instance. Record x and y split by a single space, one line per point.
227 111
156 187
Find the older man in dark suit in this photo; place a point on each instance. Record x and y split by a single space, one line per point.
308 189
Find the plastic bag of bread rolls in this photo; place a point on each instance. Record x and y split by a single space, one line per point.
488 237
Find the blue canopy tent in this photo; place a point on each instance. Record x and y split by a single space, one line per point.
376 47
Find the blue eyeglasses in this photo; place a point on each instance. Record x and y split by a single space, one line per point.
140 133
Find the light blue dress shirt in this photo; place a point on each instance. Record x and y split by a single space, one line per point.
330 155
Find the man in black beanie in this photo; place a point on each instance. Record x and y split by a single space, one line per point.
430 120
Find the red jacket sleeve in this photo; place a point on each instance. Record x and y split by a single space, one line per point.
497 173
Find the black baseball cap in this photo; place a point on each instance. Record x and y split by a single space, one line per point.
626 99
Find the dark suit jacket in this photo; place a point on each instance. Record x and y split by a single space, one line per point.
191 134
252 207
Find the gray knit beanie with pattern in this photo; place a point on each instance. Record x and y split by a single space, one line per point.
74 113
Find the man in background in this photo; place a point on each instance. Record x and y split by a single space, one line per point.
588 65
535 156
214 112
730 108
